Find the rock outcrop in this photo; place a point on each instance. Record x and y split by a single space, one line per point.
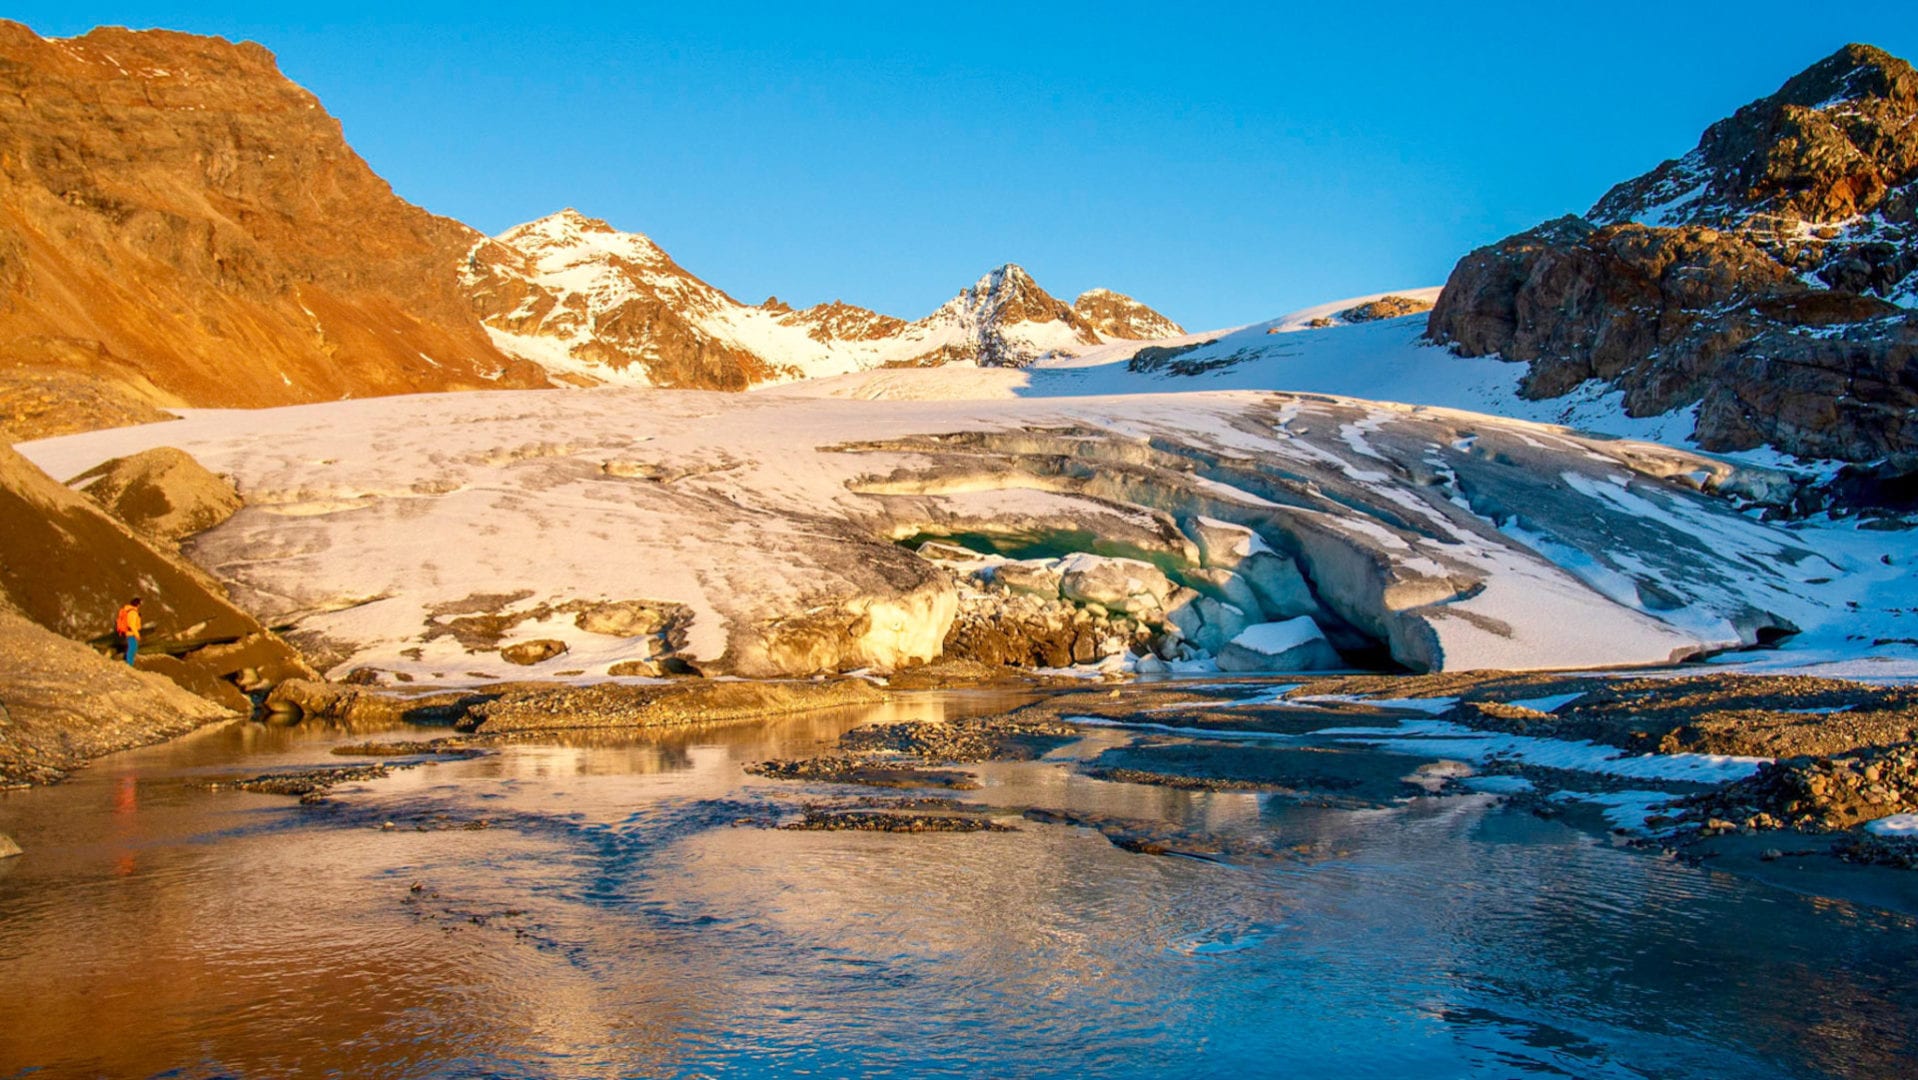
1385 307
1118 316
163 493
182 225
1767 276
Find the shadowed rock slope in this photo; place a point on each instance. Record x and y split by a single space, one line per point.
66 566
1766 277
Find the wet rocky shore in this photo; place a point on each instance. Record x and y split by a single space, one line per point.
1825 757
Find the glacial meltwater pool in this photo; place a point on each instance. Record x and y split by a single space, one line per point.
614 919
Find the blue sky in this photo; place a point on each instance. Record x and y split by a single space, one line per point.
1224 163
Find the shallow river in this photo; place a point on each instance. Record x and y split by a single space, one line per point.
613 920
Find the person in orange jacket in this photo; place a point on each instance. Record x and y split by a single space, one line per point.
126 627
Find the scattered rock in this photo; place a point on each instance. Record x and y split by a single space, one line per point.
1385 307
528 653
835 769
311 785
862 820
1126 585
626 705
1814 794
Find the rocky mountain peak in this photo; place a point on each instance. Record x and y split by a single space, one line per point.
840 321
1009 321
1767 277
1116 315
1833 143
586 238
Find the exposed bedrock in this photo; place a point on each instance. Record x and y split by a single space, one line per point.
1767 277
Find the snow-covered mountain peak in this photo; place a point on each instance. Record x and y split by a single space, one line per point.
570 237
591 303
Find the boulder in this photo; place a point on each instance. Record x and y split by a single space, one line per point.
882 631
8 849
1182 613
528 653
1207 623
947 551
1291 645
1127 585
649 669
1222 543
626 618
1040 579
161 492
1223 622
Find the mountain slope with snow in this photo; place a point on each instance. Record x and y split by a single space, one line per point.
1768 277
593 305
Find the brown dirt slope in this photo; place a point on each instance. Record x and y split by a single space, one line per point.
182 225
49 725
67 566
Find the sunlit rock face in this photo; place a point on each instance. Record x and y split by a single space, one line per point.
180 224
1768 277
595 305
790 535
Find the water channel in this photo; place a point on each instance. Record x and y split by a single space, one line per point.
614 918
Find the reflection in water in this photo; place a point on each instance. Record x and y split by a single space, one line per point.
613 922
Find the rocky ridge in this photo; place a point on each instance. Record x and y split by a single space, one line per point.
593 304
1767 277
1118 316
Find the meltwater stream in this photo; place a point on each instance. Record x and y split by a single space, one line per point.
614 920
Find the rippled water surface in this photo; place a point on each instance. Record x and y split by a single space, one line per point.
615 920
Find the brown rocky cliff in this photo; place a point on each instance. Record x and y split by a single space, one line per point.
1758 277
840 321
1116 315
182 225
